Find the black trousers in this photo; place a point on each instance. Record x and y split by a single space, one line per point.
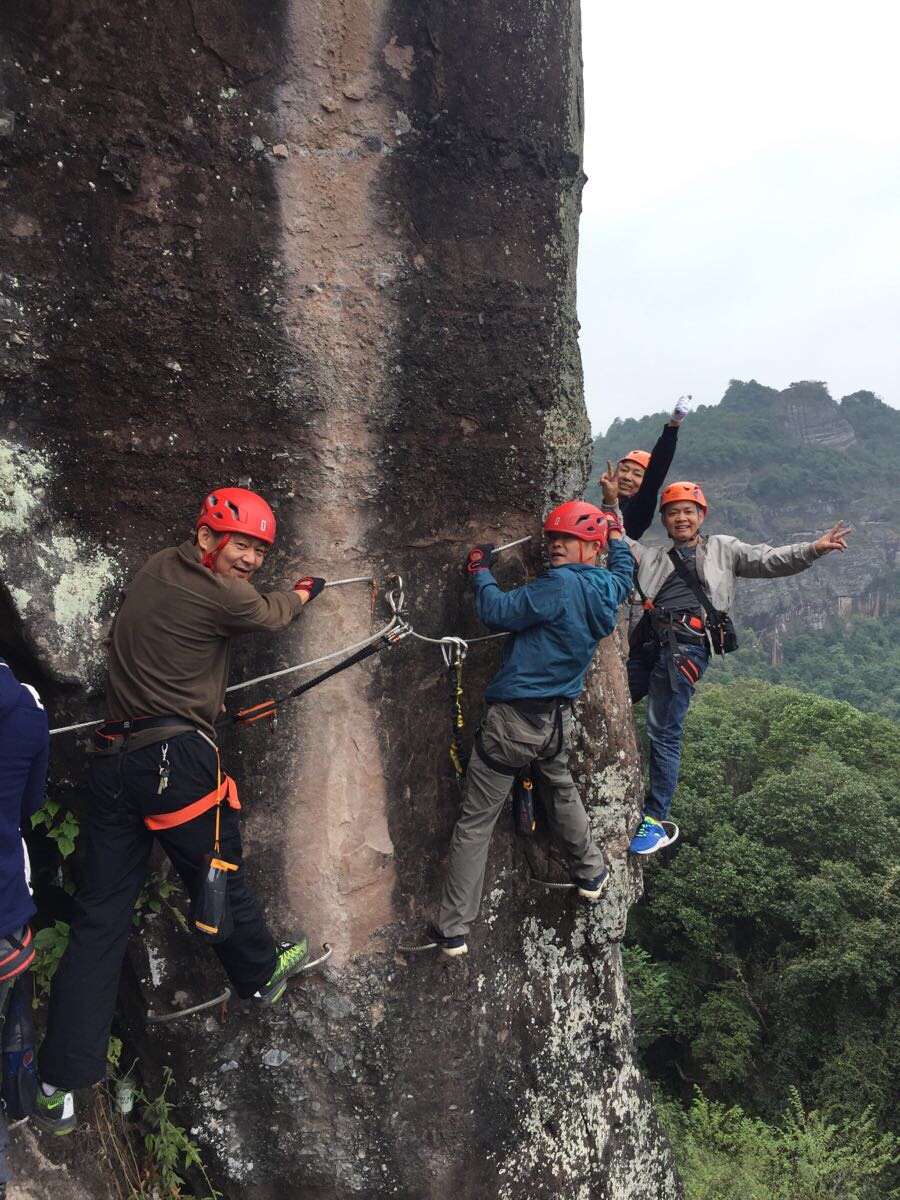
125 789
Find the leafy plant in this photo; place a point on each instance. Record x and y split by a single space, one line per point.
60 824
156 896
49 946
170 1147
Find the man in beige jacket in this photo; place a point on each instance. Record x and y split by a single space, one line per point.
688 589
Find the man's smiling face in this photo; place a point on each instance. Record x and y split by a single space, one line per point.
239 558
682 520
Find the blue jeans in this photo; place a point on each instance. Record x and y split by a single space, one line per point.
648 675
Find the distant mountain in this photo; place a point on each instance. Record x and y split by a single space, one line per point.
780 467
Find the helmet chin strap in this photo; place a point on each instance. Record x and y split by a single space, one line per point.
209 558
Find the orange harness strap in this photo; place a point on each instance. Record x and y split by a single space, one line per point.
226 791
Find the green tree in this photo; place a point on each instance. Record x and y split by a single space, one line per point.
725 1154
775 929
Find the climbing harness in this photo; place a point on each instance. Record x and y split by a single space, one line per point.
159 1018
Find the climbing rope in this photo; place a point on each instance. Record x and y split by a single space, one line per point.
453 649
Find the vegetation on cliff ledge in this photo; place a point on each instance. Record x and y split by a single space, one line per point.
765 963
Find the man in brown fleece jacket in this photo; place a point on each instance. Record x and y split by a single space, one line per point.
157 774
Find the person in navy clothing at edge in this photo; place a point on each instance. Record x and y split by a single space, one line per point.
24 751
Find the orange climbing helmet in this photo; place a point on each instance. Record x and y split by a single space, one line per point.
641 457
577 518
235 510
684 491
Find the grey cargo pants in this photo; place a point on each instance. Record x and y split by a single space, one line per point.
514 739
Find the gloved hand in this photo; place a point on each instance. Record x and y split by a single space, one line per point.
310 584
681 410
480 558
613 524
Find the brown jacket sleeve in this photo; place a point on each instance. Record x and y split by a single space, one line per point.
245 610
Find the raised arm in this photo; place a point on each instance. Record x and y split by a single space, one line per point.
772 562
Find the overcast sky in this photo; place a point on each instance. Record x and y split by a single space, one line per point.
742 212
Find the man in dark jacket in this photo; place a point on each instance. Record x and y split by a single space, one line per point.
555 625
630 490
157 773
24 749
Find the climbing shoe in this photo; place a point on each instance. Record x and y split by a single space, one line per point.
54 1113
453 947
650 837
591 889
291 958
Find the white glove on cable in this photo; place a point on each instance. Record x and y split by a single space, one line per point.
681 409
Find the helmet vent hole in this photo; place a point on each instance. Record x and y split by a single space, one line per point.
233 507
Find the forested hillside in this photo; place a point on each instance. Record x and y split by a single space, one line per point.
761 453
779 467
764 965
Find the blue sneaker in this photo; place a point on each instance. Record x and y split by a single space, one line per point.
591 889
650 837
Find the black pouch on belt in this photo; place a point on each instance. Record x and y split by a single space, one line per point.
210 911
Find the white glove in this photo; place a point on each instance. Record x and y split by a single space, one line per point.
681 409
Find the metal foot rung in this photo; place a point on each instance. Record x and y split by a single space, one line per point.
317 962
155 1018
549 883
674 835
417 949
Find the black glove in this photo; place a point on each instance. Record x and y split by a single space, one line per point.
311 584
480 558
613 524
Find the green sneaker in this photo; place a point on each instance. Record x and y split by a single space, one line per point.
56 1113
291 959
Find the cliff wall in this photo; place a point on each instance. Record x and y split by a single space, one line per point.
325 251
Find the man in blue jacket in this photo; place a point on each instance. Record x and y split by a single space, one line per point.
24 750
555 624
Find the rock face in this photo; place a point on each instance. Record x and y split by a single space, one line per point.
327 251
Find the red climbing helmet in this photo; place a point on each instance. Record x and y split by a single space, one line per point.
577 518
235 510
683 491
641 457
